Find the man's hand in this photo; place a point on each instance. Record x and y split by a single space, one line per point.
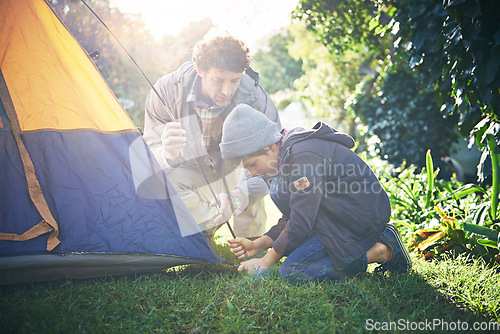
225 209
173 140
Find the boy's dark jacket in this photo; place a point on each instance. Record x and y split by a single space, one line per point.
343 202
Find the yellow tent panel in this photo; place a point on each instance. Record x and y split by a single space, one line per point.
61 77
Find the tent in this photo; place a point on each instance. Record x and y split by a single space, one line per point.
72 164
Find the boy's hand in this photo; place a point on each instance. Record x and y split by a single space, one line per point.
173 139
254 266
259 265
243 248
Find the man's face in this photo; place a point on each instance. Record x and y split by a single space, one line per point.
264 165
219 85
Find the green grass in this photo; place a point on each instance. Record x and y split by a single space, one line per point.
215 300
212 298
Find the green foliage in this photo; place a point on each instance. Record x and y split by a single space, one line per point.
456 45
388 97
111 61
328 79
442 216
456 48
342 25
406 119
277 69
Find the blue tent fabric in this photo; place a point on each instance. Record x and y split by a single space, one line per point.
87 180
91 194
16 209
89 190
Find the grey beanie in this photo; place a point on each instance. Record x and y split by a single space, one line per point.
246 131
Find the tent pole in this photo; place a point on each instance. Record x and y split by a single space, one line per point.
164 106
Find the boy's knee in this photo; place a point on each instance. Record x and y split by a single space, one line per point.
284 271
290 273
287 269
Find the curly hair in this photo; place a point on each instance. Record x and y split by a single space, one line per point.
223 51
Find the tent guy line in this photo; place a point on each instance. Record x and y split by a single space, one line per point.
164 106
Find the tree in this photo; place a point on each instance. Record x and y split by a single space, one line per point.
399 116
117 69
156 58
328 79
277 69
344 24
389 29
176 50
456 47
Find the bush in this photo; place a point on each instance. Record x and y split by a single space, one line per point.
442 216
406 119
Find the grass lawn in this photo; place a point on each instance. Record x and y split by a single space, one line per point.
443 296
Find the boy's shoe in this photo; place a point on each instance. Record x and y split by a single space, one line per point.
399 259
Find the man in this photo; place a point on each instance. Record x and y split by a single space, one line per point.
200 95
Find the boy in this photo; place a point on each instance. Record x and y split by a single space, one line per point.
335 211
